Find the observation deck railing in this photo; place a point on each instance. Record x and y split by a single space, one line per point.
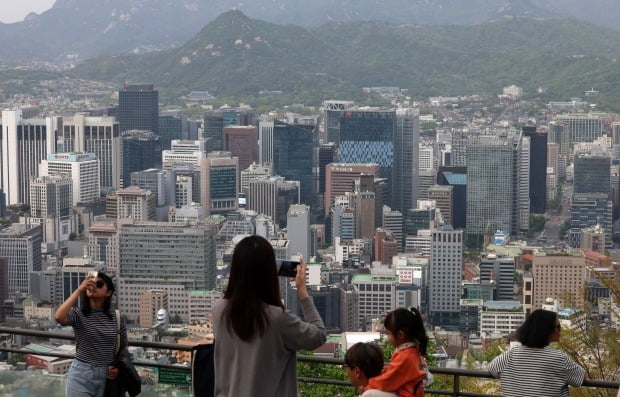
455 373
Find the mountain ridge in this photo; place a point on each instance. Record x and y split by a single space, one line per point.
238 56
82 29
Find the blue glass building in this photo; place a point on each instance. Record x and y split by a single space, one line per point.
367 136
170 128
141 151
292 156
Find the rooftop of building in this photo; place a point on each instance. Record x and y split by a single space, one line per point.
503 305
560 252
375 278
14 229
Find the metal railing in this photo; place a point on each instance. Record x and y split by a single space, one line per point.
456 373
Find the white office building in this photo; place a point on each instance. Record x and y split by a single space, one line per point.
23 144
83 169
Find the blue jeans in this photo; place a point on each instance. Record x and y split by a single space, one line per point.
86 380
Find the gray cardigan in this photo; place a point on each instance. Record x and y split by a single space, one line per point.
265 366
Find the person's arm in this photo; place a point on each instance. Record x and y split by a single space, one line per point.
298 334
498 364
400 371
575 373
62 313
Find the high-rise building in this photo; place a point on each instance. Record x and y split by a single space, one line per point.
216 120
83 168
393 221
327 155
98 135
558 276
151 302
406 159
292 156
170 128
272 196
138 108
426 157
445 277
343 219
443 197
183 191
581 127
173 257
254 171
184 152
591 173
589 209
538 169
457 178
377 295
219 175
501 271
136 203
23 144
420 218
386 246
368 136
214 130
159 182
329 302
341 178
50 206
497 168
426 179
333 111
242 142
141 151
615 141
298 230
21 245
103 244
501 317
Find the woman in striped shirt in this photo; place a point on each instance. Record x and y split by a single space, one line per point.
533 368
94 325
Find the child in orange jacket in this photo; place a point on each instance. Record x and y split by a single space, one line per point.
406 372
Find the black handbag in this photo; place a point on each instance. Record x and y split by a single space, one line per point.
203 370
128 380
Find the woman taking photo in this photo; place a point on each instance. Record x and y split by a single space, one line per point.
94 325
256 340
533 368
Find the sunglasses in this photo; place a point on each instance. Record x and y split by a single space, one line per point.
99 283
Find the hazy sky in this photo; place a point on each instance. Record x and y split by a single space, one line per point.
16 10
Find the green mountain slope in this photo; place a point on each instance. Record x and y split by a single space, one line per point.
239 57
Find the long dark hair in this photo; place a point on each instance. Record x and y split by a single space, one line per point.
107 303
253 283
410 322
537 328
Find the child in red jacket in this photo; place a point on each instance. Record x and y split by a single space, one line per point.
406 372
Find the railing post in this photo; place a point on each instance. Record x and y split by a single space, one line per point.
457 385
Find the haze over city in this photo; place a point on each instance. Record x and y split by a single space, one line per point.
462 158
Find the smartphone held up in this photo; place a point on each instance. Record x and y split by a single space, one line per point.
287 268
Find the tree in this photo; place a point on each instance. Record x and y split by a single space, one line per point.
15 358
593 345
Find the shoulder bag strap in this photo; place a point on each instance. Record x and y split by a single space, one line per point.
118 331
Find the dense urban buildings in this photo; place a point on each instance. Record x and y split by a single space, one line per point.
138 108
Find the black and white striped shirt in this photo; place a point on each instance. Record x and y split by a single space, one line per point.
95 336
529 371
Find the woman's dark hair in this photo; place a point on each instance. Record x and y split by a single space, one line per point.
107 303
368 357
410 322
537 328
253 283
